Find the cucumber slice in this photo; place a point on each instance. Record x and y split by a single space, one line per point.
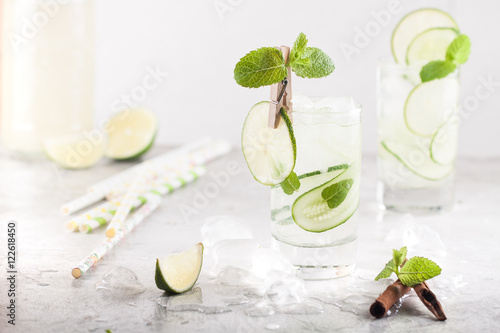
414 24
326 175
444 143
422 167
430 104
269 153
430 45
311 212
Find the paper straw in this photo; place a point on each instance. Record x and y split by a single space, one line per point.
127 205
196 153
109 243
75 223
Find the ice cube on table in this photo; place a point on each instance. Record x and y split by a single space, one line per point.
280 293
218 228
230 252
120 281
236 276
266 260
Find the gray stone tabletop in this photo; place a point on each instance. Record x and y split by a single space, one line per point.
465 242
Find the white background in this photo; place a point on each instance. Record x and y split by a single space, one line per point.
198 42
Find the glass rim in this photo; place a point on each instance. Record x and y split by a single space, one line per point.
358 108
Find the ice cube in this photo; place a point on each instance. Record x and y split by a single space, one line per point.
266 260
336 104
236 276
280 293
230 252
120 281
302 102
218 228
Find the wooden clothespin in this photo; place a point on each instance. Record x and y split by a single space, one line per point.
281 94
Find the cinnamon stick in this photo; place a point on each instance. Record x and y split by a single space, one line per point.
429 299
388 298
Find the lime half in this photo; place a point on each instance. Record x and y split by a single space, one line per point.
430 104
76 151
131 134
430 45
414 24
269 152
177 273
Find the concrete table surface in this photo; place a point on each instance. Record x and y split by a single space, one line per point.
465 242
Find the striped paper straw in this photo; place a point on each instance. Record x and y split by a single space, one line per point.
198 153
126 206
75 223
109 243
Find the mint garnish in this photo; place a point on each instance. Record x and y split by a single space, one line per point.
320 64
335 194
261 67
457 54
291 184
265 66
459 50
417 270
414 271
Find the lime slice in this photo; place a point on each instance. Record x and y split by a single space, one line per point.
177 273
311 212
414 24
444 143
417 161
269 153
76 151
430 104
430 45
131 134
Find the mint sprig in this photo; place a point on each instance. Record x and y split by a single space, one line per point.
291 184
457 54
335 194
414 270
266 66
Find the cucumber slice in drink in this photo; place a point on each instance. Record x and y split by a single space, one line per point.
414 24
269 153
430 45
177 273
326 175
311 212
430 104
418 161
444 143
131 134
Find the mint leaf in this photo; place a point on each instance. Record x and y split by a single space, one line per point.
261 67
298 48
336 193
321 64
437 70
291 184
389 268
459 50
417 270
399 256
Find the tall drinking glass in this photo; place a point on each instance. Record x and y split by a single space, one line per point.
417 139
316 226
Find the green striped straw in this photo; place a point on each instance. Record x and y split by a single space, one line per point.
169 184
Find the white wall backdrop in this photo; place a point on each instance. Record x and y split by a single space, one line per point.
198 43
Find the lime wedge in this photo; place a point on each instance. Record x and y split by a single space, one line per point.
430 45
269 153
430 104
444 143
311 212
177 273
414 24
131 134
75 151
420 164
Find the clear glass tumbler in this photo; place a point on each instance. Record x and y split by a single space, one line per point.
316 227
417 139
